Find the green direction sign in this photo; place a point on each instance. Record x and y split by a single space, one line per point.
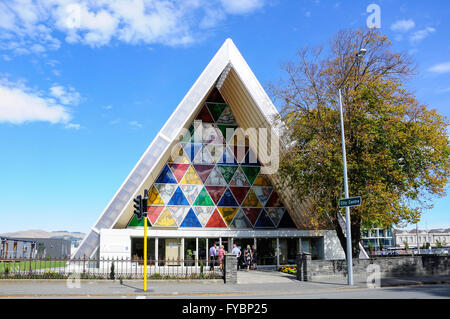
350 202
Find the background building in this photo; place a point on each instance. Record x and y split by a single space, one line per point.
423 237
11 248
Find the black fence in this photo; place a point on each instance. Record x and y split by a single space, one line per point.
104 268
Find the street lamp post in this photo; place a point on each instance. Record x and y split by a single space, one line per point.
344 160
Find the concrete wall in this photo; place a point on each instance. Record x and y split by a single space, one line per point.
388 267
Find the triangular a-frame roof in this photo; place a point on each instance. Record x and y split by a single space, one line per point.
230 74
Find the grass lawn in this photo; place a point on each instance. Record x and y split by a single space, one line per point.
25 265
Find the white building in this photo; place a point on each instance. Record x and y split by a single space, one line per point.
210 181
411 237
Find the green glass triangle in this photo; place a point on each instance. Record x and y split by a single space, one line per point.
227 171
251 172
135 222
189 137
216 110
203 199
223 129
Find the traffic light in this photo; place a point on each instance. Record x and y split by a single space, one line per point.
144 203
138 207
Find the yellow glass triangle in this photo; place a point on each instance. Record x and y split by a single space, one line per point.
251 200
228 213
191 177
261 180
154 198
166 219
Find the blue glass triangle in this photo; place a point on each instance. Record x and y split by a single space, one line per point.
264 221
178 198
191 220
227 158
166 176
251 159
227 199
191 149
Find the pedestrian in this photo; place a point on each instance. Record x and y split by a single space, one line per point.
248 257
220 256
236 251
254 257
212 257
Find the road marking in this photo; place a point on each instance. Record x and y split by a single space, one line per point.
141 297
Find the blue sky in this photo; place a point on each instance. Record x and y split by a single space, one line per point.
86 85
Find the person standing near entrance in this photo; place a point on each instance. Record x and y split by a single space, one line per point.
254 257
248 257
236 251
212 257
220 256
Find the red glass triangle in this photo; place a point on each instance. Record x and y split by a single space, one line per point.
252 214
216 220
215 192
274 200
203 171
239 193
153 213
204 115
179 170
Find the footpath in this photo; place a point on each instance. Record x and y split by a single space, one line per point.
254 283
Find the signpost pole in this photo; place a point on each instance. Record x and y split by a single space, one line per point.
145 253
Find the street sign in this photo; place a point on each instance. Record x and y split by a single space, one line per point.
350 202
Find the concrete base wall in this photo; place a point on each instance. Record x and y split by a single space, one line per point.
387 267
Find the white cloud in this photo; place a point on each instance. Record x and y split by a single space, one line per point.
65 96
422 34
440 68
19 104
29 26
241 6
135 124
403 25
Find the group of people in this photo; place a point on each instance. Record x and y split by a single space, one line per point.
249 256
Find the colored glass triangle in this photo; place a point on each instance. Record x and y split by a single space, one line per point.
252 214
227 157
215 178
166 176
251 200
240 220
203 171
215 192
227 131
239 193
153 213
177 155
191 177
191 220
166 219
227 199
179 170
178 198
239 152
134 222
286 221
263 193
204 115
251 159
261 180
239 179
216 221
203 213
191 149
178 212
203 157
189 135
154 198
264 221
274 200
228 213
275 214
203 199
227 171
216 151
191 192
216 109
166 191
250 172
227 117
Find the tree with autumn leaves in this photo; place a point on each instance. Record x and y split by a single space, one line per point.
398 153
